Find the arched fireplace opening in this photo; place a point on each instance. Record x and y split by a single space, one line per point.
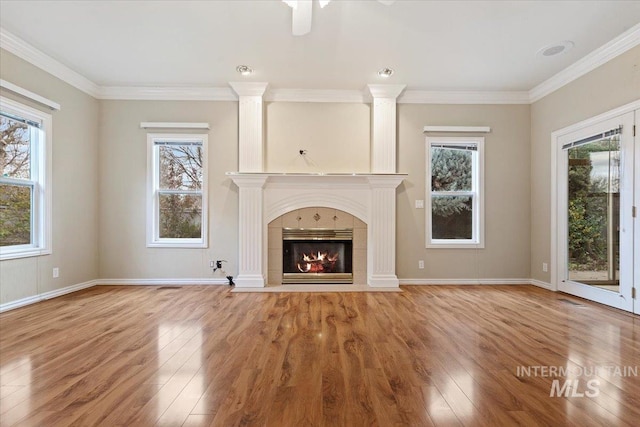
317 245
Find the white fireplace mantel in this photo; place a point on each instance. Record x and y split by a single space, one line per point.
266 196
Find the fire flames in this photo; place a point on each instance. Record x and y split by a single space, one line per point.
318 262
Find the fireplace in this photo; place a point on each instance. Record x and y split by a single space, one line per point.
270 202
317 255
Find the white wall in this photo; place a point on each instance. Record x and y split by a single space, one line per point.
507 193
122 183
609 86
335 136
99 162
75 184
110 179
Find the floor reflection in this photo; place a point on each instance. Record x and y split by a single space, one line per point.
15 389
460 388
180 367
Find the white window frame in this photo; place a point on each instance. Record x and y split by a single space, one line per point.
40 182
477 193
153 193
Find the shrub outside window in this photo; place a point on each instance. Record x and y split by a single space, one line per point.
455 199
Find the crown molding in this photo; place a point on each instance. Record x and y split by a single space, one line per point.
463 97
14 44
624 42
315 95
249 88
167 93
385 91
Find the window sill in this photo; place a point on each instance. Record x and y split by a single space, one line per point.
455 246
178 245
7 254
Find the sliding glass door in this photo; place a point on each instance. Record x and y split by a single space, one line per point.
596 189
636 211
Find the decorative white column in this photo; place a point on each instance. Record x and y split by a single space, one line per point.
250 133
383 146
381 254
250 233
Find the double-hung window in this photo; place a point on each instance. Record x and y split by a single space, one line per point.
177 191
455 198
25 180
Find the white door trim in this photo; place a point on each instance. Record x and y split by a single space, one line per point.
636 220
555 141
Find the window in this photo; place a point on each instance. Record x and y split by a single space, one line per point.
177 191
455 200
25 181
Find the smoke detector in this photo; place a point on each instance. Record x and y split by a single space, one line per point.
556 49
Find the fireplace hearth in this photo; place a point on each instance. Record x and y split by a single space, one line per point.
317 255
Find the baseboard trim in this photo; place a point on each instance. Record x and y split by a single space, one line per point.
125 282
541 284
222 281
20 303
46 295
159 282
465 281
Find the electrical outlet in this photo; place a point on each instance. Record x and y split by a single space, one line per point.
56 272
421 264
545 267
419 204
212 264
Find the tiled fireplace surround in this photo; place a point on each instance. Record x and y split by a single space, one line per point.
267 200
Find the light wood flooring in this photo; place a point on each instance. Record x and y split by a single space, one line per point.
203 356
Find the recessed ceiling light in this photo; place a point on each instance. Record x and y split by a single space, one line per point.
244 70
385 72
556 48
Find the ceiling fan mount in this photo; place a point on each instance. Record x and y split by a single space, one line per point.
303 10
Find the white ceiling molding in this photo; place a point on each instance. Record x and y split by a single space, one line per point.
386 91
249 88
624 42
167 93
24 50
463 97
605 53
315 95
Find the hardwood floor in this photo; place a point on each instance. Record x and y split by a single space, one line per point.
431 355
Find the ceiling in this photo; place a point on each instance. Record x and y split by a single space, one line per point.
431 45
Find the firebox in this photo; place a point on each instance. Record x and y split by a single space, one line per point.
317 255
